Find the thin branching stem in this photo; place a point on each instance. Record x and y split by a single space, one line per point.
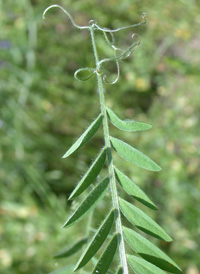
113 187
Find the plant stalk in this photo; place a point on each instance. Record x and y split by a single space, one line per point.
113 187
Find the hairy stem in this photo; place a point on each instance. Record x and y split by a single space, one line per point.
113 187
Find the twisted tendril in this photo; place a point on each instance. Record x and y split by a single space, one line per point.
124 53
110 43
122 28
84 78
117 78
66 12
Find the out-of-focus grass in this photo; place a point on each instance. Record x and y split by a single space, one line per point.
43 109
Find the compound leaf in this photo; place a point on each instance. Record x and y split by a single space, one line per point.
106 258
127 125
132 189
138 218
97 240
67 252
86 136
141 266
90 175
133 155
149 251
89 203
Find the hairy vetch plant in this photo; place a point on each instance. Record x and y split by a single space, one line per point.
111 235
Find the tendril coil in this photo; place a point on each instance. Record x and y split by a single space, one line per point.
119 54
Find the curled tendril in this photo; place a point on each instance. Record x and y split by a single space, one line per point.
92 70
110 43
127 27
124 53
66 12
92 22
128 51
117 78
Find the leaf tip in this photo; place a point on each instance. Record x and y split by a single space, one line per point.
168 239
157 168
75 269
148 126
70 197
66 224
65 155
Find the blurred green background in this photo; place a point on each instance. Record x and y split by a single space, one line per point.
44 109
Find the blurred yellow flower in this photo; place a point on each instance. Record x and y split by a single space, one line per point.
182 33
142 84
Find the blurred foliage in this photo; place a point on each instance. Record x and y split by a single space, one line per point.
43 110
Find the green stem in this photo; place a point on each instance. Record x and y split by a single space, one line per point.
113 187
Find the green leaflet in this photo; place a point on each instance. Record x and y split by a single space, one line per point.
89 203
97 241
72 249
138 218
86 136
133 155
107 257
149 251
90 175
141 266
127 125
132 189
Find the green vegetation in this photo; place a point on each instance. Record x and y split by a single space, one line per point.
43 110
